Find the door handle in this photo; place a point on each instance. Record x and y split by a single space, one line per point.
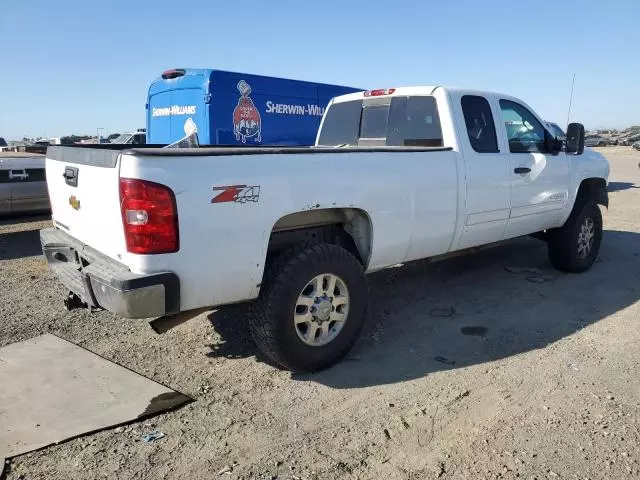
522 170
70 176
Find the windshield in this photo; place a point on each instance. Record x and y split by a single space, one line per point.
403 121
555 130
122 138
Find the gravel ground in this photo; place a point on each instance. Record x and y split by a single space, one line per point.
467 369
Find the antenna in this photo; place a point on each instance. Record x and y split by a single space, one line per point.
571 98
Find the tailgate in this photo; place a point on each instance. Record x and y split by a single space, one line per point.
84 190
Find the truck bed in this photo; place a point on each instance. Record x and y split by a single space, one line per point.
226 150
222 150
234 198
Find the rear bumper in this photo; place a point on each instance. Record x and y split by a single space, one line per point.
103 282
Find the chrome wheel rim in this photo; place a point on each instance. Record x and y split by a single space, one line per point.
321 310
586 236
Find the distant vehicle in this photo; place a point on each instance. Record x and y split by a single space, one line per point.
39 147
636 145
48 141
230 108
596 141
556 130
138 137
23 187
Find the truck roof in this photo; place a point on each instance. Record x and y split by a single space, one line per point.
419 90
208 72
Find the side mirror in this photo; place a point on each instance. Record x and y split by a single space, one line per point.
575 138
558 143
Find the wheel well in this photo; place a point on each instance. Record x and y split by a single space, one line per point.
594 189
348 227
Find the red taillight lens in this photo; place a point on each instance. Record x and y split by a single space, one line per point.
149 217
175 73
379 92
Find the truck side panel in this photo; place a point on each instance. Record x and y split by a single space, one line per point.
237 109
279 111
228 205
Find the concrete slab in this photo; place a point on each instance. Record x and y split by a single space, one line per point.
52 390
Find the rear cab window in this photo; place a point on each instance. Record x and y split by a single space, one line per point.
395 121
481 128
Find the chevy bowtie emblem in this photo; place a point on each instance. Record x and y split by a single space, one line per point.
74 202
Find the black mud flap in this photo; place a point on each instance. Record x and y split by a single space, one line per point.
602 197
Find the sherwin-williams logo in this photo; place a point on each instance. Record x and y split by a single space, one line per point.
74 202
287 109
246 117
174 110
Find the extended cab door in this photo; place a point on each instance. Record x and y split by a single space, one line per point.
487 179
539 179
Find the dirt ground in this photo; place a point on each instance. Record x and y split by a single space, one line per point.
543 385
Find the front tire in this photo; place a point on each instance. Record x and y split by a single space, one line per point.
311 308
574 247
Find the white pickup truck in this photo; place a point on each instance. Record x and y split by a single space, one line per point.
396 175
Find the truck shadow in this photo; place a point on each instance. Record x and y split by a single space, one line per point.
231 324
466 311
618 186
14 218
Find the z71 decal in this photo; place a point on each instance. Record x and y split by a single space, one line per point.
236 193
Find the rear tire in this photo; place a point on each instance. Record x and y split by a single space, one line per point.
282 319
574 247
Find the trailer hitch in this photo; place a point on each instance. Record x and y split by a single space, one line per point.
73 301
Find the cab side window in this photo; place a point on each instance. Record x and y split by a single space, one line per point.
524 132
480 126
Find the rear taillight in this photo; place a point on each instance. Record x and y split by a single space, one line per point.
149 217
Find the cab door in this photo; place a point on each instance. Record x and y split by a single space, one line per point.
539 178
487 178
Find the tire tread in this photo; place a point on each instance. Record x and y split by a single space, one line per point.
561 240
276 284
